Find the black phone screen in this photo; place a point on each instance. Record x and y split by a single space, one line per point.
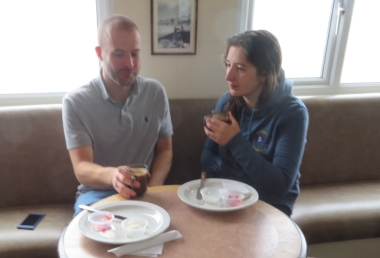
31 221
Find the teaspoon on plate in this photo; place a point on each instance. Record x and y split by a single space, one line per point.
88 208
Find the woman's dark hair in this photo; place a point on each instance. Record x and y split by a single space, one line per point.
262 50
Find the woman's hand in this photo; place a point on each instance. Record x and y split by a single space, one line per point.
221 132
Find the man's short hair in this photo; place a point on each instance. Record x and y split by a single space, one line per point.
118 21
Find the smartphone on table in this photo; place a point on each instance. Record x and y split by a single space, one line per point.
31 221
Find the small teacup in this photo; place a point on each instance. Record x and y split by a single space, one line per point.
220 115
141 174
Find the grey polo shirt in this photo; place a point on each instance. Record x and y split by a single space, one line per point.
119 134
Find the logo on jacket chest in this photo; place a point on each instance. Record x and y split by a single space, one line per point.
260 141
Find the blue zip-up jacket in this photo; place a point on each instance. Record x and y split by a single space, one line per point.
266 154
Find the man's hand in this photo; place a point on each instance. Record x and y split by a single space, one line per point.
99 177
221 132
122 182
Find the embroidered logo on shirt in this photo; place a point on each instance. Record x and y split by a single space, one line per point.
259 141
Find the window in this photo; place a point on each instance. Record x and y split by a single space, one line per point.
363 53
48 47
329 46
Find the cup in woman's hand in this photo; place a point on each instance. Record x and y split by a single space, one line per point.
222 116
139 173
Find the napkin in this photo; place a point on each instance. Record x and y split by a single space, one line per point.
150 247
236 187
153 251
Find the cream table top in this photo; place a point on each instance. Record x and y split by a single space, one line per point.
259 230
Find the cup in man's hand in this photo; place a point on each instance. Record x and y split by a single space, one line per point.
141 174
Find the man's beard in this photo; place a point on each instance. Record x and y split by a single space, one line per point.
118 78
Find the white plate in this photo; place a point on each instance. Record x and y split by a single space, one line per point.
188 191
158 221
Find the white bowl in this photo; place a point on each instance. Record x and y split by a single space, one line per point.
210 195
232 198
135 226
101 220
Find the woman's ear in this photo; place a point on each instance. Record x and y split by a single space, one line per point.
263 78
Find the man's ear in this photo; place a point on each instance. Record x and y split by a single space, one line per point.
98 51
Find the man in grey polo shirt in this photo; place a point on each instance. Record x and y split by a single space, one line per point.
119 118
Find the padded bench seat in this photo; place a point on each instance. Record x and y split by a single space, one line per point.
40 242
338 212
340 176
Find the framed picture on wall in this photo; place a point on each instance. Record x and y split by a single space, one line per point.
174 27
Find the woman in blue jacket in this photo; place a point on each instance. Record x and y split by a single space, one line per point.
264 144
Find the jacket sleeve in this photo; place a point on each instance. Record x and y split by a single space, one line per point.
210 158
281 172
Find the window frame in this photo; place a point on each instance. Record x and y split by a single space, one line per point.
104 8
329 83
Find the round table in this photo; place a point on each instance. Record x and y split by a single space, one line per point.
259 230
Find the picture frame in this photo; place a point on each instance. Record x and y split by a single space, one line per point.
174 27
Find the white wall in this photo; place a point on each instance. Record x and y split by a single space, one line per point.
184 76
187 76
